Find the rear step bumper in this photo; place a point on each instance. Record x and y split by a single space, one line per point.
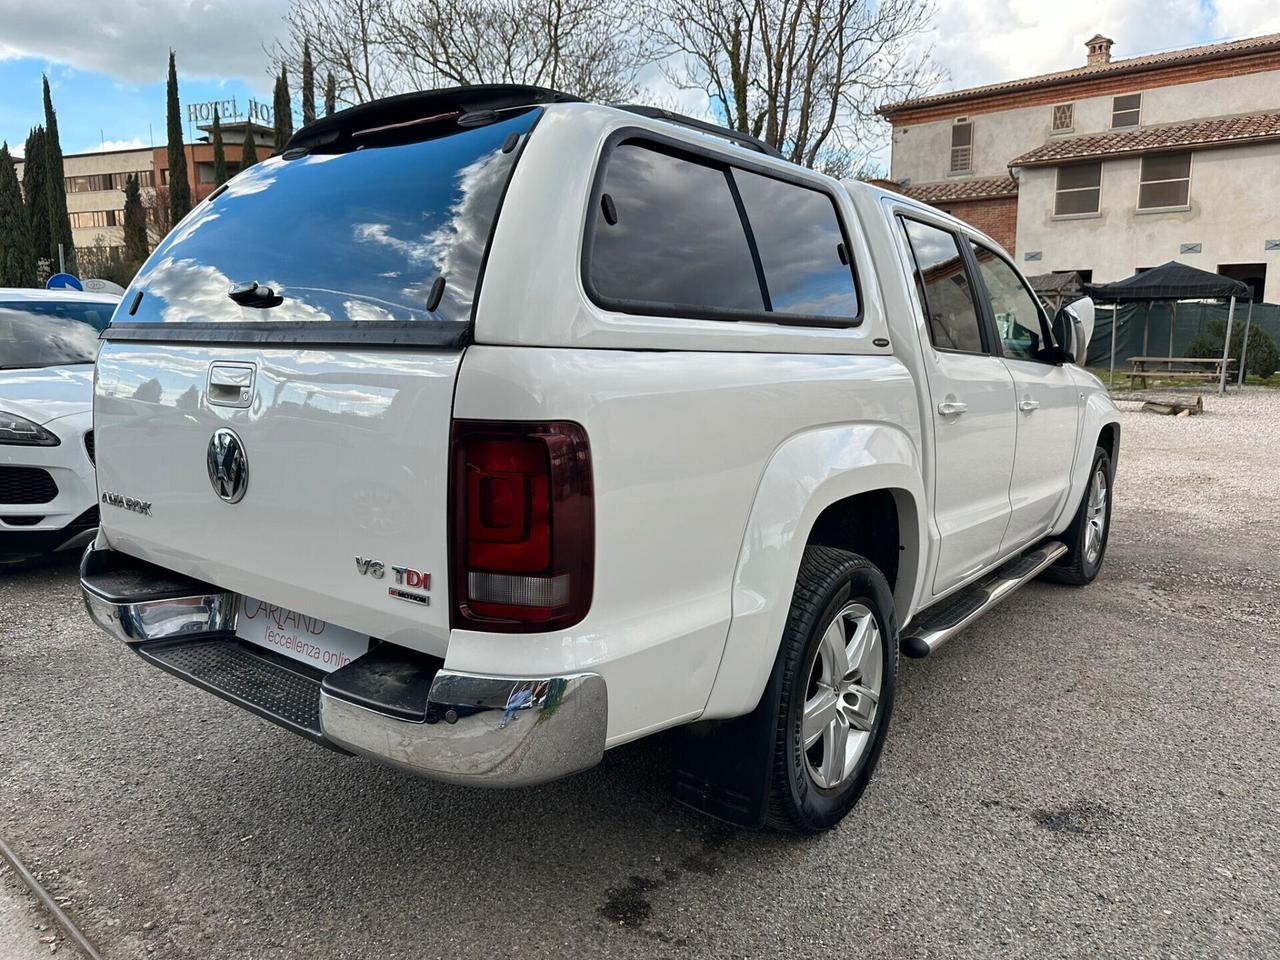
393 705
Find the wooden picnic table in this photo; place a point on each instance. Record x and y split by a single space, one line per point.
1189 368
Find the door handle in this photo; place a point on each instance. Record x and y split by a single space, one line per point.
1026 406
952 408
230 384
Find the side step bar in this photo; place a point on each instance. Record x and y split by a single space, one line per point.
933 627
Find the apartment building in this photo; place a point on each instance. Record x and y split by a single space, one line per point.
95 181
1115 165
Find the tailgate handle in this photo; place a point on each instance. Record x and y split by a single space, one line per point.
230 384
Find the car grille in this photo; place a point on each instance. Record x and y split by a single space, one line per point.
20 521
26 485
88 446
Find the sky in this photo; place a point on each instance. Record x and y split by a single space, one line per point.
106 63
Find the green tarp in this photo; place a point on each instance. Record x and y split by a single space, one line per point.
1193 322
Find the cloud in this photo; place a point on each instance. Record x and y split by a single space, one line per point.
985 41
133 143
1243 18
130 41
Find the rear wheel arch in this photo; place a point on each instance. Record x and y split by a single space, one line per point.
881 525
808 474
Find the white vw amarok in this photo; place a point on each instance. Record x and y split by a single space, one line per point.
485 429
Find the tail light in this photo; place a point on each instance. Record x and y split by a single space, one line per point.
523 512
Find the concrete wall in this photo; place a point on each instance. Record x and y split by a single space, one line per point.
1235 194
922 152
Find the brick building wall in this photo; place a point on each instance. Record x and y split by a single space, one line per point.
997 217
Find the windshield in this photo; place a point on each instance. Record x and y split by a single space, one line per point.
47 333
385 234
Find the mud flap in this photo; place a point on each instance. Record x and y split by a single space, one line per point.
723 768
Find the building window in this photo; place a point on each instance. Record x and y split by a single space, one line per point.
962 147
1063 117
1079 190
1126 110
1166 181
97 218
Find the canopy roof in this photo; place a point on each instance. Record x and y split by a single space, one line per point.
1169 281
1064 283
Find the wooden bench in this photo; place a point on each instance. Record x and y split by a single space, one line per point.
1182 368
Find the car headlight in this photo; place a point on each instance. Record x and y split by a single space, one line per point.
16 429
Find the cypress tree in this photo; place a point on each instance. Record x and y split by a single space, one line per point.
179 187
282 110
330 95
248 149
17 259
56 189
219 154
35 176
308 85
135 224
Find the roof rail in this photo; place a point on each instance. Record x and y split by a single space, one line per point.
745 139
407 109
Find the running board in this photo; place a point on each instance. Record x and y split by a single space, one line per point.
933 627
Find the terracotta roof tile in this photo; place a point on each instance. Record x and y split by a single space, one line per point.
1219 131
950 191
1210 51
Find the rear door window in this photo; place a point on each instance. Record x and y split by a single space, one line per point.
945 288
357 238
676 234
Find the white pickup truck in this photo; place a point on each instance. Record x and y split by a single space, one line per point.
484 430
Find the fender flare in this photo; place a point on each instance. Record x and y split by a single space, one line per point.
806 474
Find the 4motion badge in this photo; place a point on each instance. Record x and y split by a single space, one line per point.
408 580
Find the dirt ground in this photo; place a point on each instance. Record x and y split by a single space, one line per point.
1086 772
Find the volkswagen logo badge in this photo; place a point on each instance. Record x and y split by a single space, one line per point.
228 465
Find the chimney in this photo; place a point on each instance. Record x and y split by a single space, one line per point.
1099 50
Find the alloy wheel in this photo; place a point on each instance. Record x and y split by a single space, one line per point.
843 696
1096 516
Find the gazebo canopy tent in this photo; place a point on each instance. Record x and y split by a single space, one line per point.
1174 281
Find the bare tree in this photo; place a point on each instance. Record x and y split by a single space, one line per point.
155 206
346 40
375 48
806 76
585 47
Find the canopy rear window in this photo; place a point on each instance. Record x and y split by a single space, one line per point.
381 243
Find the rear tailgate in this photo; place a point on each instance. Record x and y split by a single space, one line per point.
347 458
292 443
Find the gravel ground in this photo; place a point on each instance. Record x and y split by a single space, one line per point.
1084 773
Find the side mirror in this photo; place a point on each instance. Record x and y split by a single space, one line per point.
1073 328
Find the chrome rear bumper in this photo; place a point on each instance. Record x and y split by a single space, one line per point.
484 730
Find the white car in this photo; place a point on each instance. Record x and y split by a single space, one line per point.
48 495
535 427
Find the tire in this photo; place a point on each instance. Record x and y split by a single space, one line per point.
841 601
1086 538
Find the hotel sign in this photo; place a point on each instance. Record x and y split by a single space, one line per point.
228 110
